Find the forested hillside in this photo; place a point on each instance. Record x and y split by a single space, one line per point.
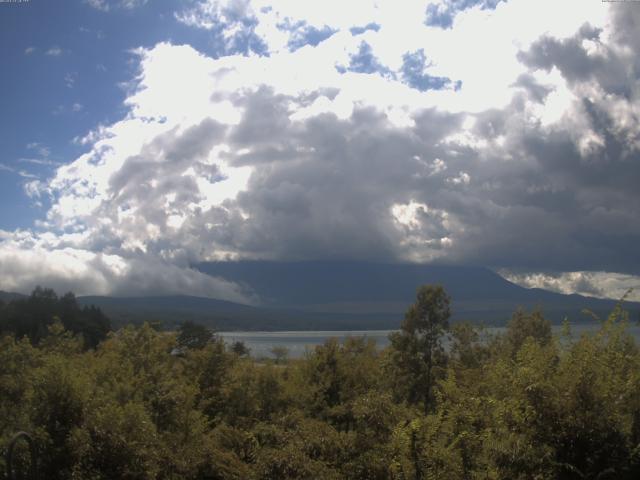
151 405
32 316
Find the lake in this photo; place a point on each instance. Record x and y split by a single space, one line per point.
298 342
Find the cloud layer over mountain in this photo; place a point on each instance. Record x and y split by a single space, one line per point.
505 134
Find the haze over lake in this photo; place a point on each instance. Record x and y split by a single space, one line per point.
297 343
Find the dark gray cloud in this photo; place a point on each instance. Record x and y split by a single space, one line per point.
604 65
569 55
156 171
535 90
532 200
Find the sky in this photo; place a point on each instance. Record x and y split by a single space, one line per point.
139 138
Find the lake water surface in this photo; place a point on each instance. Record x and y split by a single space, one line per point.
299 342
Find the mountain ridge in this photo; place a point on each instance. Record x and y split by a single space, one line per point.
8 296
354 295
347 295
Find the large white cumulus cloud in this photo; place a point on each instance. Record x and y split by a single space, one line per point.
509 140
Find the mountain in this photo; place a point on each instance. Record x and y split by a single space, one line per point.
8 296
171 311
304 283
346 296
384 291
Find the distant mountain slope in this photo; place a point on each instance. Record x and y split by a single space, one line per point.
346 296
351 288
171 311
8 296
298 283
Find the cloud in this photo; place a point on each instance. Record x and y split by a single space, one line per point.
54 51
591 284
442 13
530 167
39 161
28 262
108 5
17 171
29 50
70 79
39 148
232 23
263 27
64 109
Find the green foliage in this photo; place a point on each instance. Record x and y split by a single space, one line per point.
193 335
523 326
281 353
417 353
117 441
521 405
31 317
240 349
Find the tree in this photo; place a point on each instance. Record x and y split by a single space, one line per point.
523 326
32 317
239 348
281 353
193 335
417 348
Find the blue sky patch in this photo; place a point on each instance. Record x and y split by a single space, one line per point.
443 14
301 34
366 62
244 42
360 30
414 75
